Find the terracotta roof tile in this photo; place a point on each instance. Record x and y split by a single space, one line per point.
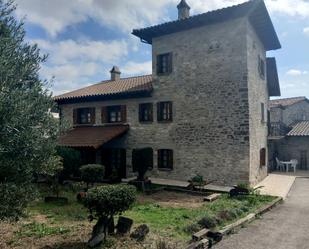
300 129
109 87
286 101
94 136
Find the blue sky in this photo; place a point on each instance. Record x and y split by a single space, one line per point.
85 38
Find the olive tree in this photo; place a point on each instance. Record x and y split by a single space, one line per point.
28 131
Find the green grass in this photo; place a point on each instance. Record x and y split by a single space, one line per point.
171 222
58 212
165 221
39 230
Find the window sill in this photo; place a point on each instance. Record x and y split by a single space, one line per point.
165 121
146 122
167 170
164 74
83 125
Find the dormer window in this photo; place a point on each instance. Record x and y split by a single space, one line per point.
164 63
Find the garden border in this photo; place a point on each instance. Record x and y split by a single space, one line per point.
249 218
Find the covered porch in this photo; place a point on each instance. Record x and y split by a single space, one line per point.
93 144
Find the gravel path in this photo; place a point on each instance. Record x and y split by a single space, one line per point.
284 227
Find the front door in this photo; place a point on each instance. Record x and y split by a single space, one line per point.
303 160
114 161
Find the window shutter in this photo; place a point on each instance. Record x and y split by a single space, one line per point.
104 115
170 106
158 65
159 116
123 109
75 116
170 158
263 157
92 115
140 113
159 158
170 62
151 112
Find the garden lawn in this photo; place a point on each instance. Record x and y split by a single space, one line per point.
172 222
52 225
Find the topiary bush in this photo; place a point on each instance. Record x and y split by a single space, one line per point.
103 202
92 173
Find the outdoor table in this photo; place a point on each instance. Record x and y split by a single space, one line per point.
286 164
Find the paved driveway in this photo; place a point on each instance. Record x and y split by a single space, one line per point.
284 227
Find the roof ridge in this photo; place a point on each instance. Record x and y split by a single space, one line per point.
201 14
299 97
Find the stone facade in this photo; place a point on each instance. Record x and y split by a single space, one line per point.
216 92
290 114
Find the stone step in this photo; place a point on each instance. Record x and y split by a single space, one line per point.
212 197
200 235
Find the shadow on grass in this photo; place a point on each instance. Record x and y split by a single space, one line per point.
67 245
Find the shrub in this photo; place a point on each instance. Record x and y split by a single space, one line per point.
197 180
208 222
14 199
162 244
103 202
92 173
192 228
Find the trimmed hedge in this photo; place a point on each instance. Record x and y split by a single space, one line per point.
92 173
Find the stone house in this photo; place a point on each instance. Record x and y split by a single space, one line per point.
289 130
202 111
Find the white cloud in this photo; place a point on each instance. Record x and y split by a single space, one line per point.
56 15
295 8
306 31
68 50
134 68
296 72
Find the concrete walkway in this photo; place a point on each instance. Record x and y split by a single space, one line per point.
277 184
284 227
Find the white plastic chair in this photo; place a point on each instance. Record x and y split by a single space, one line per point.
280 166
293 164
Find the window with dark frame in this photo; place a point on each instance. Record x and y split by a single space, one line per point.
165 111
261 68
114 114
84 116
165 159
146 112
262 157
164 63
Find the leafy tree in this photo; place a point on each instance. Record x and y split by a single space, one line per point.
71 161
92 173
28 132
104 202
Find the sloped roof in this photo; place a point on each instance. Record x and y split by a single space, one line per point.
272 78
139 84
254 9
286 101
300 129
91 136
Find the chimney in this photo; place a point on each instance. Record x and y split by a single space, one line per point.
183 10
115 73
